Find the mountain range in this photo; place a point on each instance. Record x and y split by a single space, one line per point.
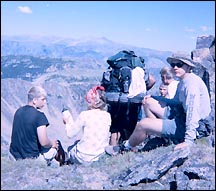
66 68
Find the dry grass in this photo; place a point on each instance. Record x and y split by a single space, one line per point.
35 175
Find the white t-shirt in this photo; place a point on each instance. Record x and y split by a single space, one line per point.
171 89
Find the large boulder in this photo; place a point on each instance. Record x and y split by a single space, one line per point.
204 54
204 41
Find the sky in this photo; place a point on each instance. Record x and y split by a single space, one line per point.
159 25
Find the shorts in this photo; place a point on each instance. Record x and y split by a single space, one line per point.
166 112
72 153
173 129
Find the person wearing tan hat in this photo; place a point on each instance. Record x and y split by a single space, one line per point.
191 104
90 130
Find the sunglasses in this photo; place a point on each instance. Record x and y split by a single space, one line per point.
178 64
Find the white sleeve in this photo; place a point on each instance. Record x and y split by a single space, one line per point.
73 127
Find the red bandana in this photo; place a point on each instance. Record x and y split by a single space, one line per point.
92 96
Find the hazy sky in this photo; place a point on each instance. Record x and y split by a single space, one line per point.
159 25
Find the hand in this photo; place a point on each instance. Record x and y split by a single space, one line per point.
181 145
145 98
65 119
55 144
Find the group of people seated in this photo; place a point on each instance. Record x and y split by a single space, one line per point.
174 114
176 118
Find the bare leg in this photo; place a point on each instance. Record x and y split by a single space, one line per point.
153 108
114 138
143 128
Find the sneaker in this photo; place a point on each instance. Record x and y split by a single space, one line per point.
114 150
49 162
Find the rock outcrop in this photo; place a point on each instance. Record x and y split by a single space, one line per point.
175 170
205 55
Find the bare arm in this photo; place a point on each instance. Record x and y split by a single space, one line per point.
151 82
43 138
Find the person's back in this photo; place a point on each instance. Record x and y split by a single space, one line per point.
24 140
29 137
95 134
125 89
91 129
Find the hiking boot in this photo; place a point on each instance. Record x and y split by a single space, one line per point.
115 150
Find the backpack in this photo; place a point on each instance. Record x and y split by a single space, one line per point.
206 126
117 78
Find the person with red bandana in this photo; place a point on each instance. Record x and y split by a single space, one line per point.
90 130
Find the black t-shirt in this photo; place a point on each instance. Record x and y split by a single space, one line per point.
24 139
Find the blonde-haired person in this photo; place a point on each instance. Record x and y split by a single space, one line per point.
168 78
156 108
163 89
91 127
29 137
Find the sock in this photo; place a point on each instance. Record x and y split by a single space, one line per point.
127 145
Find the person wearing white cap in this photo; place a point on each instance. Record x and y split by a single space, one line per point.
191 105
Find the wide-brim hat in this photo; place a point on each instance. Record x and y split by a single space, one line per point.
182 58
171 60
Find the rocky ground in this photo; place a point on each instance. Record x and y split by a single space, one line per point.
157 169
